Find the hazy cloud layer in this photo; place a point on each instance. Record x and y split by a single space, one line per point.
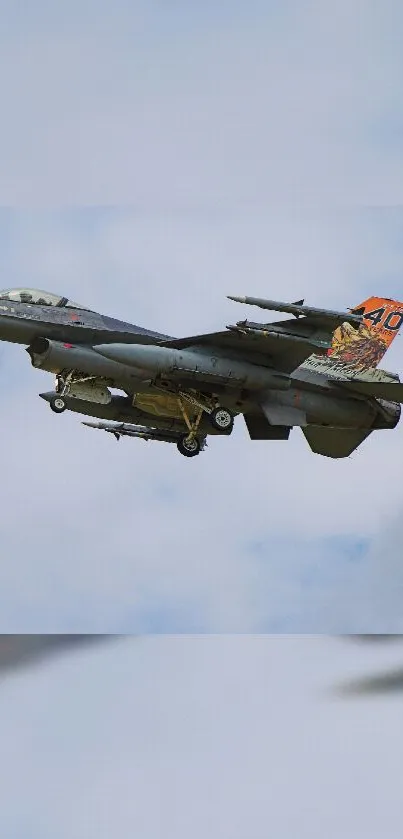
225 737
224 104
248 537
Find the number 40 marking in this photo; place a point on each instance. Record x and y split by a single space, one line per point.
392 323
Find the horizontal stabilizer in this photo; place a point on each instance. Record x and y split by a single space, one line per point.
391 391
334 442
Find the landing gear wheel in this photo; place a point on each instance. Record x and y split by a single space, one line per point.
222 420
189 446
58 404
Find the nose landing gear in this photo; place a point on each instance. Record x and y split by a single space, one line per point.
63 387
58 404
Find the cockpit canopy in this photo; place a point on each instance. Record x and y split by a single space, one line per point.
35 297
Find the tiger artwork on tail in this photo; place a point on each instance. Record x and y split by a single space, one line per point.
364 348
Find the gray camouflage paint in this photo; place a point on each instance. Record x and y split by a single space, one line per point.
275 384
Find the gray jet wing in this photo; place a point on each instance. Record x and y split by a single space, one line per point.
285 344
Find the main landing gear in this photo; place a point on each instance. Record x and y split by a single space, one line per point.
189 443
220 418
189 446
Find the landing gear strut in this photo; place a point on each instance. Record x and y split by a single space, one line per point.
220 418
65 383
189 444
63 386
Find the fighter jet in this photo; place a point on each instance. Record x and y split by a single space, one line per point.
316 370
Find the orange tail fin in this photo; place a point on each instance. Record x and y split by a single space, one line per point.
366 346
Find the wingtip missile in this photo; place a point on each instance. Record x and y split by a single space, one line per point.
259 302
298 309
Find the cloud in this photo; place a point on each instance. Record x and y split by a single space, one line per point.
374 600
213 107
132 538
227 736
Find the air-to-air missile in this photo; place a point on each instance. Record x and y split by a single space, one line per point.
299 310
122 429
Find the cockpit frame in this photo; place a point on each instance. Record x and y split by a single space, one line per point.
36 297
